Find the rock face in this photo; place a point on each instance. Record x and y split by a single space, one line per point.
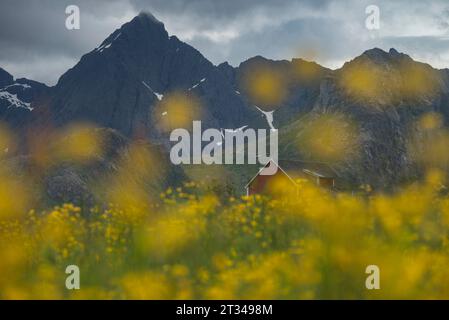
385 93
18 98
404 90
119 84
301 78
5 78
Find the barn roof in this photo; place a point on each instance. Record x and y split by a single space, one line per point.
296 169
318 169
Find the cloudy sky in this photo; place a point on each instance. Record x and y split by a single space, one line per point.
35 43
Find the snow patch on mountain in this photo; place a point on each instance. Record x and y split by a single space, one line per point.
269 115
107 45
159 96
14 101
23 85
197 84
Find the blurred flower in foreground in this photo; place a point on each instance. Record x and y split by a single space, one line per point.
389 83
129 187
7 142
429 144
14 197
328 137
430 121
362 81
177 110
305 71
174 230
13 261
418 80
265 86
78 143
146 286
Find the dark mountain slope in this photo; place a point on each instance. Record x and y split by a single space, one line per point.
301 80
118 84
18 98
385 94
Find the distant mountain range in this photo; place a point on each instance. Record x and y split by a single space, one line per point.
118 84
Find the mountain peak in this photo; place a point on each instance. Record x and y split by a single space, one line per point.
148 17
393 51
141 28
381 57
145 23
5 78
377 53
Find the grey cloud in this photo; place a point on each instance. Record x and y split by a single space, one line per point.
36 44
33 34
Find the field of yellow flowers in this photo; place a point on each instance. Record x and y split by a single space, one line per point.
190 242
191 245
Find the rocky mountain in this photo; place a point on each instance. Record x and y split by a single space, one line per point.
385 94
301 78
5 78
120 83
18 98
